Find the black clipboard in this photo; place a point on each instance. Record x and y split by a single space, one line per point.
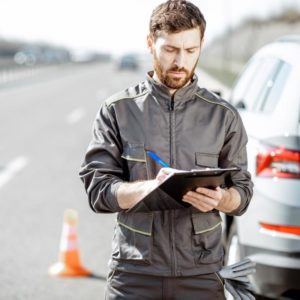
169 194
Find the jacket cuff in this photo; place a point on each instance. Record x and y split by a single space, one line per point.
243 205
113 191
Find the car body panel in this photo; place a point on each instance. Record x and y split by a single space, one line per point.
269 89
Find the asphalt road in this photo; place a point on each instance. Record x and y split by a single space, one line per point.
46 122
45 129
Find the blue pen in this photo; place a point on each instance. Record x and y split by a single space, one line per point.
157 159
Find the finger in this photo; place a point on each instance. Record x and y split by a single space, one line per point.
245 272
204 199
199 196
249 265
250 295
199 205
242 285
245 295
216 194
196 199
242 262
204 191
196 203
243 279
232 290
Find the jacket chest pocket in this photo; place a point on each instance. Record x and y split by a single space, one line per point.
207 238
133 237
206 160
134 155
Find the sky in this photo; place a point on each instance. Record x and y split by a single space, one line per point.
115 26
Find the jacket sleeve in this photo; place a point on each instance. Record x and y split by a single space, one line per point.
102 168
234 154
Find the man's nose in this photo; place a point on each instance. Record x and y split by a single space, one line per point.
179 60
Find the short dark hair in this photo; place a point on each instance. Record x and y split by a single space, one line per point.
174 16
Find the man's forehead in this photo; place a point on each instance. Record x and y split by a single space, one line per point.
186 38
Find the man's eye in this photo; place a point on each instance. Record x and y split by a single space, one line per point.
170 50
191 50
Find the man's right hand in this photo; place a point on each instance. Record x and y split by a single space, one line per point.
130 193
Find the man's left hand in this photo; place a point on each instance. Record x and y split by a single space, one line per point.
205 199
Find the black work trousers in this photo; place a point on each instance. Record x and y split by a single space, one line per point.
123 285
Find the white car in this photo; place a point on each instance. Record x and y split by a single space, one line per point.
267 94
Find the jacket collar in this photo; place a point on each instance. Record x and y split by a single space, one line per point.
161 93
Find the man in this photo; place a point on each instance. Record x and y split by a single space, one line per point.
175 253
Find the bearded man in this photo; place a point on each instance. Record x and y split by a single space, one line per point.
167 253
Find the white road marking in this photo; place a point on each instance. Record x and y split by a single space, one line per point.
75 116
12 169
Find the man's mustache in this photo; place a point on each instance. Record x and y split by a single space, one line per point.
176 69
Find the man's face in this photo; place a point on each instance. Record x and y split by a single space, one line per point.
175 56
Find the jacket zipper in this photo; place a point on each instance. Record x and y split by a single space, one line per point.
171 111
172 164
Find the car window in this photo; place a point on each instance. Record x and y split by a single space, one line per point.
244 81
274 88
254 83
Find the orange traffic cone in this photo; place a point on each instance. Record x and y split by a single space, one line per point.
69 261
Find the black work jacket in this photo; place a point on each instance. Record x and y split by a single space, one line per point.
192 129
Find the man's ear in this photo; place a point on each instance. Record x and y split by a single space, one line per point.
150 43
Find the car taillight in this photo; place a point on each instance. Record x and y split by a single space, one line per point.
278 162
281 228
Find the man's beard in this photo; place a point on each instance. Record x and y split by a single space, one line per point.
169 81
